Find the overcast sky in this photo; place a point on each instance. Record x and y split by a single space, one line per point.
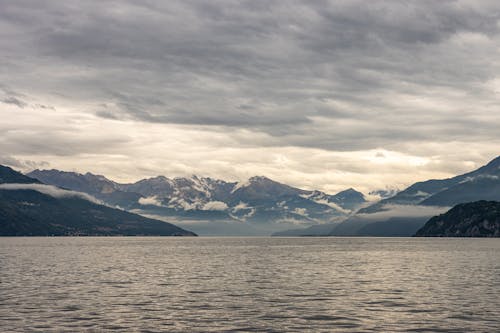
317 94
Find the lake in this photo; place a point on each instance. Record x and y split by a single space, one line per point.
155 284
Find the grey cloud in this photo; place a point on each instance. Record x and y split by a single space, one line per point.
15 101
392 211
22 164
58 142
12 97
42 106
336 75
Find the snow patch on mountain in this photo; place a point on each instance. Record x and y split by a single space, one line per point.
240 185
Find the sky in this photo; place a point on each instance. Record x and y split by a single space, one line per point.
317 94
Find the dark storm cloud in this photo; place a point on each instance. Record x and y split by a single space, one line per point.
338 75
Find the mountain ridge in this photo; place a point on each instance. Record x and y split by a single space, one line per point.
30 208
258 200
432 192
408 210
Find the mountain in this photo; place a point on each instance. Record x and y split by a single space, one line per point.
484 187
29 208
379 225
474 219
8 175
349 199
392 227
480 184
256 204
261 200
408 210
96 185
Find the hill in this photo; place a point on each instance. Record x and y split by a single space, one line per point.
474 219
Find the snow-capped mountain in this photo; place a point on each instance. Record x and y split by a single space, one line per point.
406 211
192 193
257 201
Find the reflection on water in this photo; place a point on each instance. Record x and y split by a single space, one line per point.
250 284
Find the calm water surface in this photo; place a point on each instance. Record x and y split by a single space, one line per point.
249 284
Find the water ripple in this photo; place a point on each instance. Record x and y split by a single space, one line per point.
249 285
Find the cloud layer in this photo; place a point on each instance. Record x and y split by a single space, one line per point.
409 211
53 191
320 94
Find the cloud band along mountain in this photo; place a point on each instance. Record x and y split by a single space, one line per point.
408 210
29 208
259 203
404 213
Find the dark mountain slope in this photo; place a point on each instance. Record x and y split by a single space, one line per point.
481 187
8 175
26 211
474 219
31 213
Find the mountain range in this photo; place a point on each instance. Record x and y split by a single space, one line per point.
31 208
212 206
258 206
483 183
408 210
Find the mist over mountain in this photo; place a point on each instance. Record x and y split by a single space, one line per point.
262 206
259 202
30 208
408 210
384 193
480 184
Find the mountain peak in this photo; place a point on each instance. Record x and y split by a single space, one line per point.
260 179
157 179
98 177
350 190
